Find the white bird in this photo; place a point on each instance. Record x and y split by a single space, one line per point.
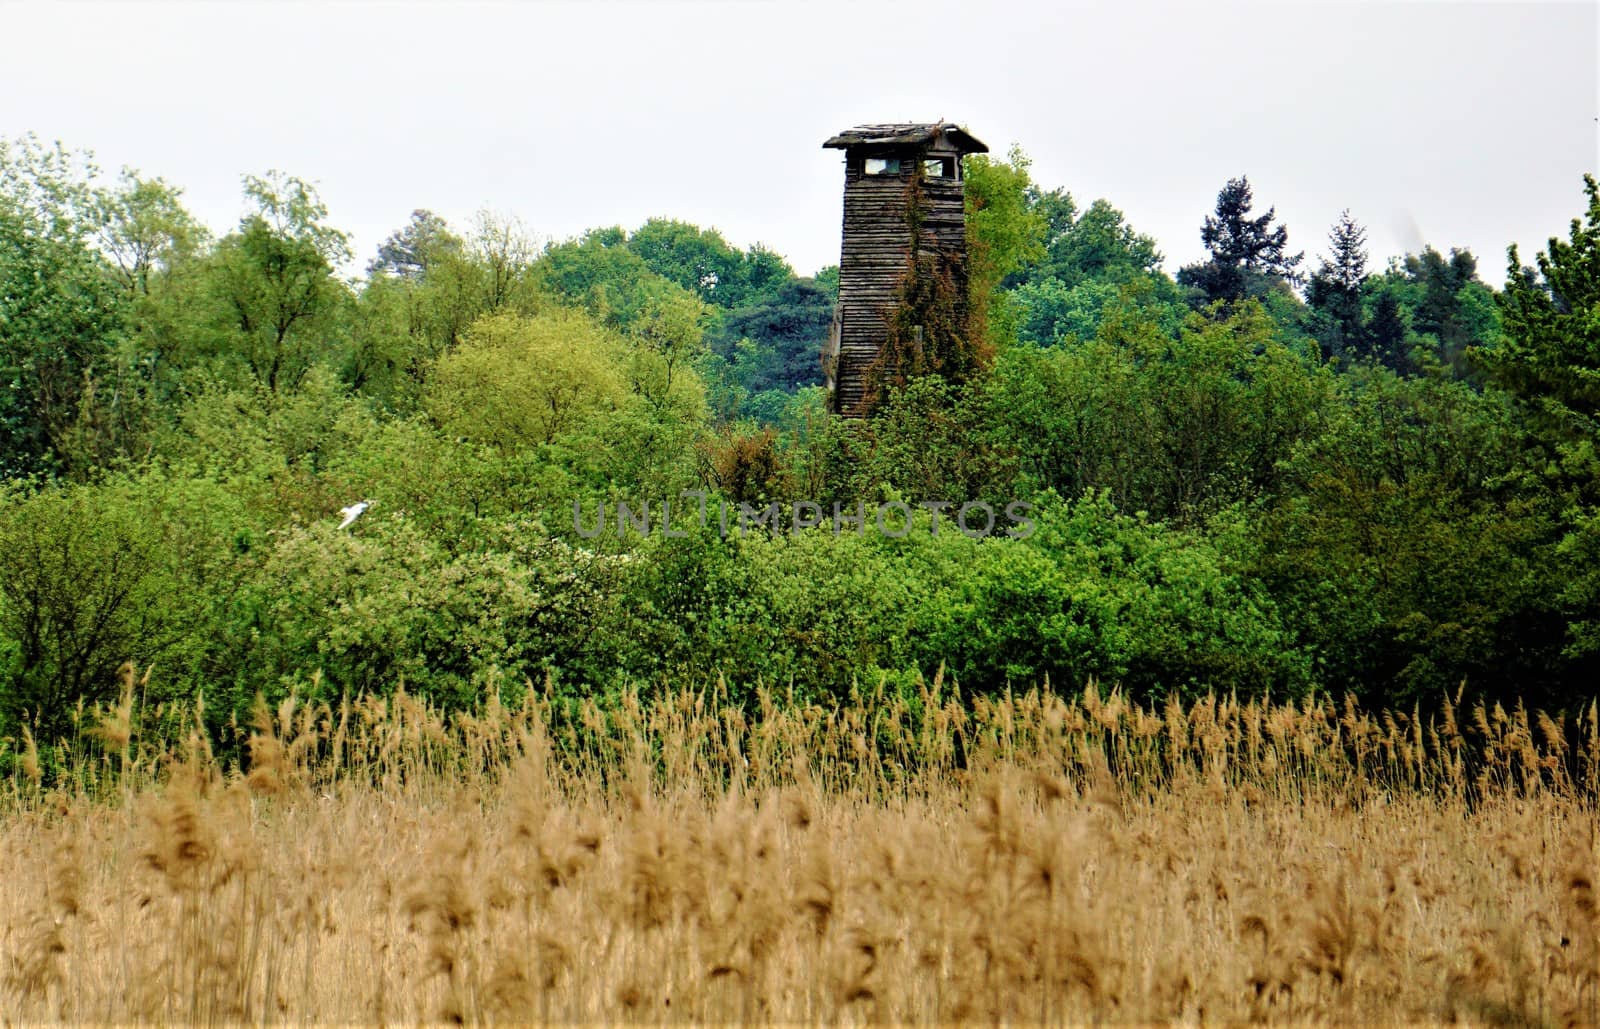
353 512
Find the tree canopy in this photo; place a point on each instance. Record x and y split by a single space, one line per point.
1387 489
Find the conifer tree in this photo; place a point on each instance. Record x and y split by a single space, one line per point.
1551 321
1335 293
1248 255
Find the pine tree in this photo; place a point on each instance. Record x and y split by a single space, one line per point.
1248 255
1550 358
1335 293
1551 322
1346 266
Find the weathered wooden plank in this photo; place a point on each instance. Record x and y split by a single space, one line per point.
876 238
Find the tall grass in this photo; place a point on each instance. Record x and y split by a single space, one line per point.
904 858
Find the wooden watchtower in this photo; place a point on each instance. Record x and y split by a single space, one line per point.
888 171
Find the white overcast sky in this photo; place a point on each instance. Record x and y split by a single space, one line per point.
1456 124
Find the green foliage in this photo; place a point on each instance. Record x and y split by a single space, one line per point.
273 283
1249 256
1549 359
60 312
932 439
1005 234
1335 293
95 576
1178 427
517 381
702 262
1092 245
392 604
1093 595
1216 507
1406 555
1551 321
1048 313
668 338
414 248
1100 595
774 340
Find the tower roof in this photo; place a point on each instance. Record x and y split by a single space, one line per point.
908 134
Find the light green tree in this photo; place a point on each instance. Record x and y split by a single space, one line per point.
668 337
1004 234
520 381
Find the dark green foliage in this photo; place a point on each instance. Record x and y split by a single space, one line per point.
1426 313
774 340
1335 293
1551 353
1406 557
1549 358
1178 427
1454 309
1249 256
1388 335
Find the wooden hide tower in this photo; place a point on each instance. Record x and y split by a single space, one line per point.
896 176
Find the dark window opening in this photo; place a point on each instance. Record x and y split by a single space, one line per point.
939 167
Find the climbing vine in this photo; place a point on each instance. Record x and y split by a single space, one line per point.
933 327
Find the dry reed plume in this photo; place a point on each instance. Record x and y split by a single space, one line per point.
1022 859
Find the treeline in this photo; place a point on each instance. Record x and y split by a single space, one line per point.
1247 478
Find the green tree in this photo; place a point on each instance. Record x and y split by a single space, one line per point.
699 260
1550 359
1178 426
502 252
602 276
522 381
1406 556
1005 234
785 329
144 230
275 277
412 249
669 340
1454 311
95 576
1336 291
1249 256
1550 355
61 314
1097 243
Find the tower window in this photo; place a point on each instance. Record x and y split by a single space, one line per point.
881 166
939 167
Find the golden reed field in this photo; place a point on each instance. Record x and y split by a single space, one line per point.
1025 859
